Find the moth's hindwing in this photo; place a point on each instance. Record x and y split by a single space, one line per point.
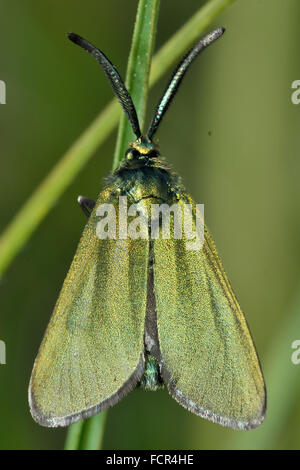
208 359
92 351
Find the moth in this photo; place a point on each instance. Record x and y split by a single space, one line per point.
146 311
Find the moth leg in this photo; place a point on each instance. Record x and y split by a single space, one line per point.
86 204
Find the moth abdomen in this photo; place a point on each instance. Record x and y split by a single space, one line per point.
151 379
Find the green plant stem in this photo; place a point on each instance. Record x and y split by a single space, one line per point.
89 435
44 197
137 77
74 436
42 200
93 432
185 37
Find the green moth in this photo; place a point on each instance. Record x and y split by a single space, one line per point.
137 311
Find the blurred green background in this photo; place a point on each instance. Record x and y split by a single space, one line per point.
233 135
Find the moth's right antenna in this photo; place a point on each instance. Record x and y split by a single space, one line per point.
178 76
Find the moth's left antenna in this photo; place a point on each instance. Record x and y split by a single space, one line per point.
114 78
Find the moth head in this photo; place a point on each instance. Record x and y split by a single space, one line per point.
142 150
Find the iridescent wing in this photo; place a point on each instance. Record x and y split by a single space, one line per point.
92 351
208 358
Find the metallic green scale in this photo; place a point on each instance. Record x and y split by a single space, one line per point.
151 379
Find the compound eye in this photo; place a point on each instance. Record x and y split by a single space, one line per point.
131 154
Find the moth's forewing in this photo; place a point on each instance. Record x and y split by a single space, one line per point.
92 351
208 358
